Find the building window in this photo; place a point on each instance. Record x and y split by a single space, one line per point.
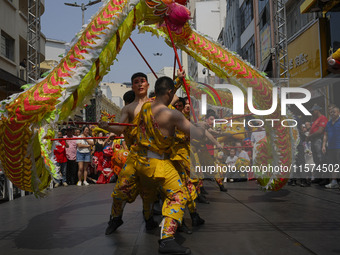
262 4
264 16
248 51
7 46
334 21
246 14
295 20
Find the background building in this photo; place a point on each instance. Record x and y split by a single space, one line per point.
17 52
54 50
101 103
116 91
326 31
208 19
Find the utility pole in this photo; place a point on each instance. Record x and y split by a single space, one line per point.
83 7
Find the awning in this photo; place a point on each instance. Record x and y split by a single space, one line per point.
11 79
307 5
265 63
48 64
319 6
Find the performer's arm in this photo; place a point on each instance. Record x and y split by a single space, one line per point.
178 83
186 127
214 132
124 118
209 135
174 100
212 139
179 79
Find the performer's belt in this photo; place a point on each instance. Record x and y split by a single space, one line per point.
152 154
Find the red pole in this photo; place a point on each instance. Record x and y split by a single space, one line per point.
181 69
85 138
247 132
96 123
174 73
143 58
238 117
231 147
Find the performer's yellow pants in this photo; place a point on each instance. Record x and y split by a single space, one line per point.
127 189
184 171
163 175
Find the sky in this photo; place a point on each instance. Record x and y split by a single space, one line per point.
62 22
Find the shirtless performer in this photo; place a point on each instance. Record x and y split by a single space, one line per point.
156 135
126 189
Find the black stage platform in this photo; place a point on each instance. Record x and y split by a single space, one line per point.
72 220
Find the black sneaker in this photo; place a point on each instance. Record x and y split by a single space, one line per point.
150 224
304 183
202 199
292 183
114 223
222 188
324 182
157 208
184 228
170 246
203 191
196 219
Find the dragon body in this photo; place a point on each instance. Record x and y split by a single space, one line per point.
29 118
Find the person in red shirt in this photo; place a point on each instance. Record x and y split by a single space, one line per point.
316 133
60 157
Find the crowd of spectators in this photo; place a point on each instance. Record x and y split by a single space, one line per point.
84 161
319 149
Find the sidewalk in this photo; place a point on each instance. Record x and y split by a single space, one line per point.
72 220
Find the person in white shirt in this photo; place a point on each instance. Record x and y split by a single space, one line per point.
231 161
84 156
240 153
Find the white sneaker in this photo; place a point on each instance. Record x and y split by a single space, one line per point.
332 186
65 184
79 183
86 183
56 185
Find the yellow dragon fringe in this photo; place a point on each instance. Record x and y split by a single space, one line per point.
29 118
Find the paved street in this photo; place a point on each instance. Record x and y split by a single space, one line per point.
72 220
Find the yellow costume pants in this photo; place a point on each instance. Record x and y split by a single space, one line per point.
189 184
127 189
163 175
